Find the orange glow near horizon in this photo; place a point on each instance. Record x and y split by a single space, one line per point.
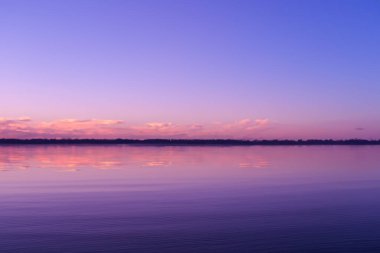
97 128
26 128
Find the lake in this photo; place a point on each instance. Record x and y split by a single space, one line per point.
121 198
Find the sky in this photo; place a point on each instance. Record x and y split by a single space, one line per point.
190 69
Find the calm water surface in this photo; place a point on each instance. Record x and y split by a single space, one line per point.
189 199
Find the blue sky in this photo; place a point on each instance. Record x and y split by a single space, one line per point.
298 64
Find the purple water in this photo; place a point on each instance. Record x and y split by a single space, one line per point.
189 199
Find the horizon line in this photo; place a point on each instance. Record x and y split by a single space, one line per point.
189 142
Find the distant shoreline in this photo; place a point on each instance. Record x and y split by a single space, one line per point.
188 142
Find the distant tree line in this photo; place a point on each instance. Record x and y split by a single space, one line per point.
189 142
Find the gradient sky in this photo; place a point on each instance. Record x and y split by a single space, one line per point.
204 69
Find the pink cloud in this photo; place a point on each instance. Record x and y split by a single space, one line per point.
25 127
98 128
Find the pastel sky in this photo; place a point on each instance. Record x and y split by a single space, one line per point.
190 69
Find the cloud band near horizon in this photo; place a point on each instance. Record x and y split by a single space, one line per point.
25 127
249 129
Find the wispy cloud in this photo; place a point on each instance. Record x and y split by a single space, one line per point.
100 128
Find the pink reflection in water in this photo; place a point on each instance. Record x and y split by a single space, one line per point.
189 199
26 168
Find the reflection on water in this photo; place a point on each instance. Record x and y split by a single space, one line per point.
189 199
111 157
